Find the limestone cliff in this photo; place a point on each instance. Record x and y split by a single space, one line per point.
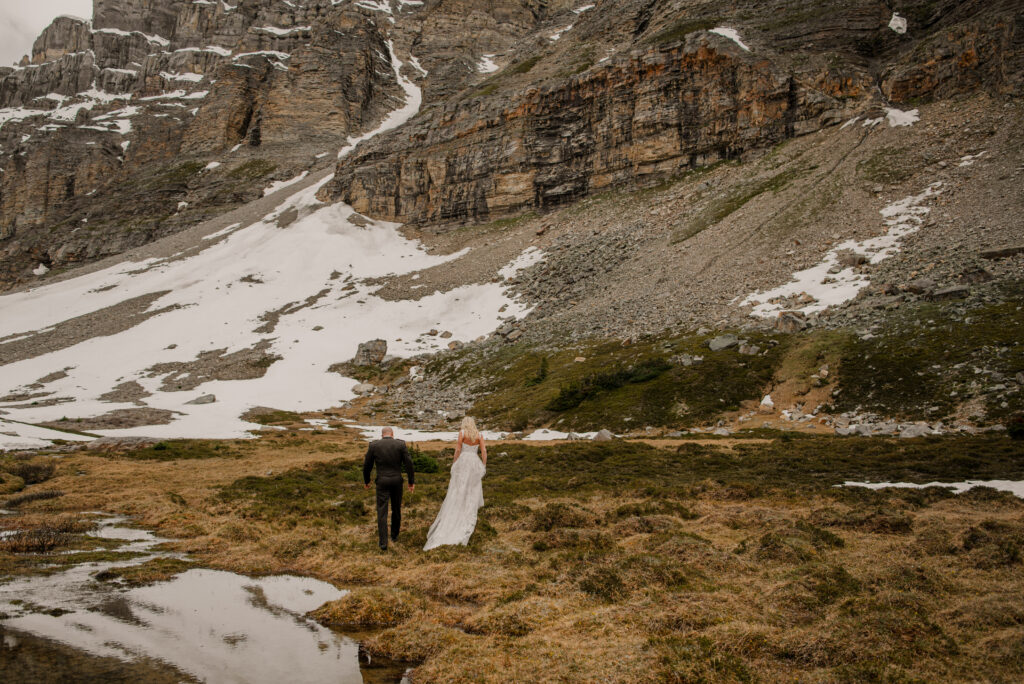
632 93
155 115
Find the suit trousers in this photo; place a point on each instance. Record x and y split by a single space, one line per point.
388 491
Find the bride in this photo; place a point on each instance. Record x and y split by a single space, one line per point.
456 520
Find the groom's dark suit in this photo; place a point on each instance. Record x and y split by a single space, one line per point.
389 455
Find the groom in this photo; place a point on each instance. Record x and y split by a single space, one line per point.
389 454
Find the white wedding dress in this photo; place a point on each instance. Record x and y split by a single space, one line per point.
456 520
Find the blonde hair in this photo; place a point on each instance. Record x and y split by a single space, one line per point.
469 431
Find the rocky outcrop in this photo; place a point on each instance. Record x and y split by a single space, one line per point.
639 119
104 132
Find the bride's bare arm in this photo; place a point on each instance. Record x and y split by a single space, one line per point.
458 448
483 450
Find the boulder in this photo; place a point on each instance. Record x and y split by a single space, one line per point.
604 436
921 286
205 399
1002 252
364 388
953 292
915 430
371 353
722 342
749 349
791 321
850 259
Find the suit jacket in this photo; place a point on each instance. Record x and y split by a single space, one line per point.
389 455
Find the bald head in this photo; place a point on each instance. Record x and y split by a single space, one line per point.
387 432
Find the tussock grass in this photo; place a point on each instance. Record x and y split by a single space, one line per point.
625 562
22 499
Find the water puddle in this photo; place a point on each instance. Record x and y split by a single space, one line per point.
201 625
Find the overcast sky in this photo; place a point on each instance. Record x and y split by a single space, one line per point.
22 20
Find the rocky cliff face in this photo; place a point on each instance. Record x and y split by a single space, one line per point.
639 92
157 114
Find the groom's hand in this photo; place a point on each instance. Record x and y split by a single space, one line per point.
412 488
366 486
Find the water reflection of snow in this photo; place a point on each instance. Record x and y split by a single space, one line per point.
212 625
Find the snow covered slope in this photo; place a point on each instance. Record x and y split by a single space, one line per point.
299 292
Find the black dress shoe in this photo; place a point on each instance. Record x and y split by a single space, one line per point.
383 547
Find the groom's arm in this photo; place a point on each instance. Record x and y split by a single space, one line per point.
407 461
368 465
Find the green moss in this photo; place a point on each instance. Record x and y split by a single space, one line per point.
887 165
683 28
177 175
736 198
525 65
253 169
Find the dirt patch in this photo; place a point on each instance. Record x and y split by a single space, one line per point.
126 392
104 322
245 364
116 420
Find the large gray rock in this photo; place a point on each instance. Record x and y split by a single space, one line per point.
205 399
915 430
1002 252
364 388
951 292
371 353
723 342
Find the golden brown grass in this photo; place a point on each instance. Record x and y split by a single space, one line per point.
697 575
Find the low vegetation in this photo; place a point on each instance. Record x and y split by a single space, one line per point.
714 560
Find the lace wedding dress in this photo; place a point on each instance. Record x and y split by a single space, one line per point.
456 520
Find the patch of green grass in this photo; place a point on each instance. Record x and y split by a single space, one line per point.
721 208
254 169
616 387
524 66
683 28
486 90
795 467
590 386
275 417
500 224
928 352
156 570
887 165
177 175
181 449
301 491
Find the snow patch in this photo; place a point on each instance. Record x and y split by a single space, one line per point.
830 284
279 185
898 23
969 159
529 257
41 269
730 33
487 65
1015 487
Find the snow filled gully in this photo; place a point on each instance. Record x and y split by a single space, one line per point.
305 292
202 625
